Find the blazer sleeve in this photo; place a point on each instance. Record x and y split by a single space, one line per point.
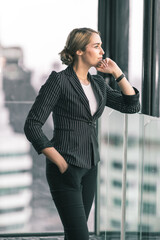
121 102
40 111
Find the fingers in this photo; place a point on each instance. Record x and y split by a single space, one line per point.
107 60
104 63
107 65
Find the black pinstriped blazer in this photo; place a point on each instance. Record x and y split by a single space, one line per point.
74 136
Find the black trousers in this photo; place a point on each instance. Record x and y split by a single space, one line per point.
73 194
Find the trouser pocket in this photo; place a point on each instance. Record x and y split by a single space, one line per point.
69 177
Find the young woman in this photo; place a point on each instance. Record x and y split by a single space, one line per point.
76 100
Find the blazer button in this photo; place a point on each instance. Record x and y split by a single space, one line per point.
93 124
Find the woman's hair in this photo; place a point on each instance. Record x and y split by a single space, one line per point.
78 39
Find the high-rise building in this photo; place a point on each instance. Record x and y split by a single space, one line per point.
15 175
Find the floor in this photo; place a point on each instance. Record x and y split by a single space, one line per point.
92 237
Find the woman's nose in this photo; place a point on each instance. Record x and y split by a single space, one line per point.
102 51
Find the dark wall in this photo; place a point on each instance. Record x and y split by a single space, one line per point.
151 59
113 23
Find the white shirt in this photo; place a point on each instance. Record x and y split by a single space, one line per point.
91 97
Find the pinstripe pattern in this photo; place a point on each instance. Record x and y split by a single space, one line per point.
75 134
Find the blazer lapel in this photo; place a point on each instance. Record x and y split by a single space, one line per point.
97 93
77 86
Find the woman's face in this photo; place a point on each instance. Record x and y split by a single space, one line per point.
94 52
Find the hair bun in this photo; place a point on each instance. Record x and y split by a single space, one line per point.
66 56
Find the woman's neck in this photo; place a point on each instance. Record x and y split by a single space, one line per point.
82 73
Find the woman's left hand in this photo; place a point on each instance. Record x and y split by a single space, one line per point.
109 66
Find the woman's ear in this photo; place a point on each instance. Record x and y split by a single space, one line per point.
79 52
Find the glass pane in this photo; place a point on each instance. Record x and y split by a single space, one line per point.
142 191
150 212
133 173
31 38
142 208
111 170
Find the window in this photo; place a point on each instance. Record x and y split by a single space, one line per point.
29 57
149 187
151 169
149 208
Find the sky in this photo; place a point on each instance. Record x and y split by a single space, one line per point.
41 27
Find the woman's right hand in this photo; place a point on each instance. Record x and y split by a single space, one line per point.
63 167
54 156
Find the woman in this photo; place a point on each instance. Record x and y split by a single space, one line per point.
76 100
